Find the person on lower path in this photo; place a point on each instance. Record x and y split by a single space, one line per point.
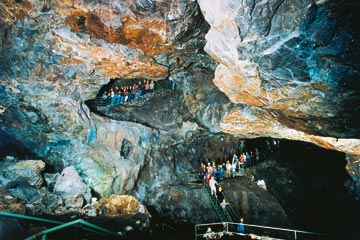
241 226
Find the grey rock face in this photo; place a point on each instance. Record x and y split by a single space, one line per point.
72 189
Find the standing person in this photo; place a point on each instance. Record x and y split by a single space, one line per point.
212 184
233 169
112 94
116 95
208 176
235 157
214 170
221 171
228 169
248 159
147 86
242 160
151 86
225 229
241 227
223 205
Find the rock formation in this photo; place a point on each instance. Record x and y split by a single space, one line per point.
243 69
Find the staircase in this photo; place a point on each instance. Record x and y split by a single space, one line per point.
229 215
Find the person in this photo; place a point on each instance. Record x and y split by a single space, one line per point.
208 176
143 86
116 95
241 227
225 227
202 169
147 86
212 184
151 86
228 169
112 95
233 169
104 96
235 157
214 171
221 172
248 159
172 83
223 205
220 194
242 160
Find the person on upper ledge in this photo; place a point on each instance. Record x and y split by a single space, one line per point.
151 86
104 96
147 86
143 86
116 95
112 95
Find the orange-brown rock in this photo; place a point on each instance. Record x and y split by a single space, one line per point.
12 11
9 203
121 205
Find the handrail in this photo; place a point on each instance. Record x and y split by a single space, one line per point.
294 231
231 211
216 207
69 224
226 214
87 226
15 215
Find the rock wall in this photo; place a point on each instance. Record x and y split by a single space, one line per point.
282 69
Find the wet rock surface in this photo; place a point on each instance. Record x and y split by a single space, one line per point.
27 171
243 69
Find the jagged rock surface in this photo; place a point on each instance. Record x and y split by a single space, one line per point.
284 69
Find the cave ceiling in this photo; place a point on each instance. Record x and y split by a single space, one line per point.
281 69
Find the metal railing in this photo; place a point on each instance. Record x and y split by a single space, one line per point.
264 231
214 203
79 223
229 215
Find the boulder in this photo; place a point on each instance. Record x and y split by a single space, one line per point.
72 189
28 171
50 180
121 204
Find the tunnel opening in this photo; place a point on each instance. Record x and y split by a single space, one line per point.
309 182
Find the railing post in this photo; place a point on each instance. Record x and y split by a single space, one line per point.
295 235
43 237
195 232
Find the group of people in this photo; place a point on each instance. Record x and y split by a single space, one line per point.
230 168
127 93
213 172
